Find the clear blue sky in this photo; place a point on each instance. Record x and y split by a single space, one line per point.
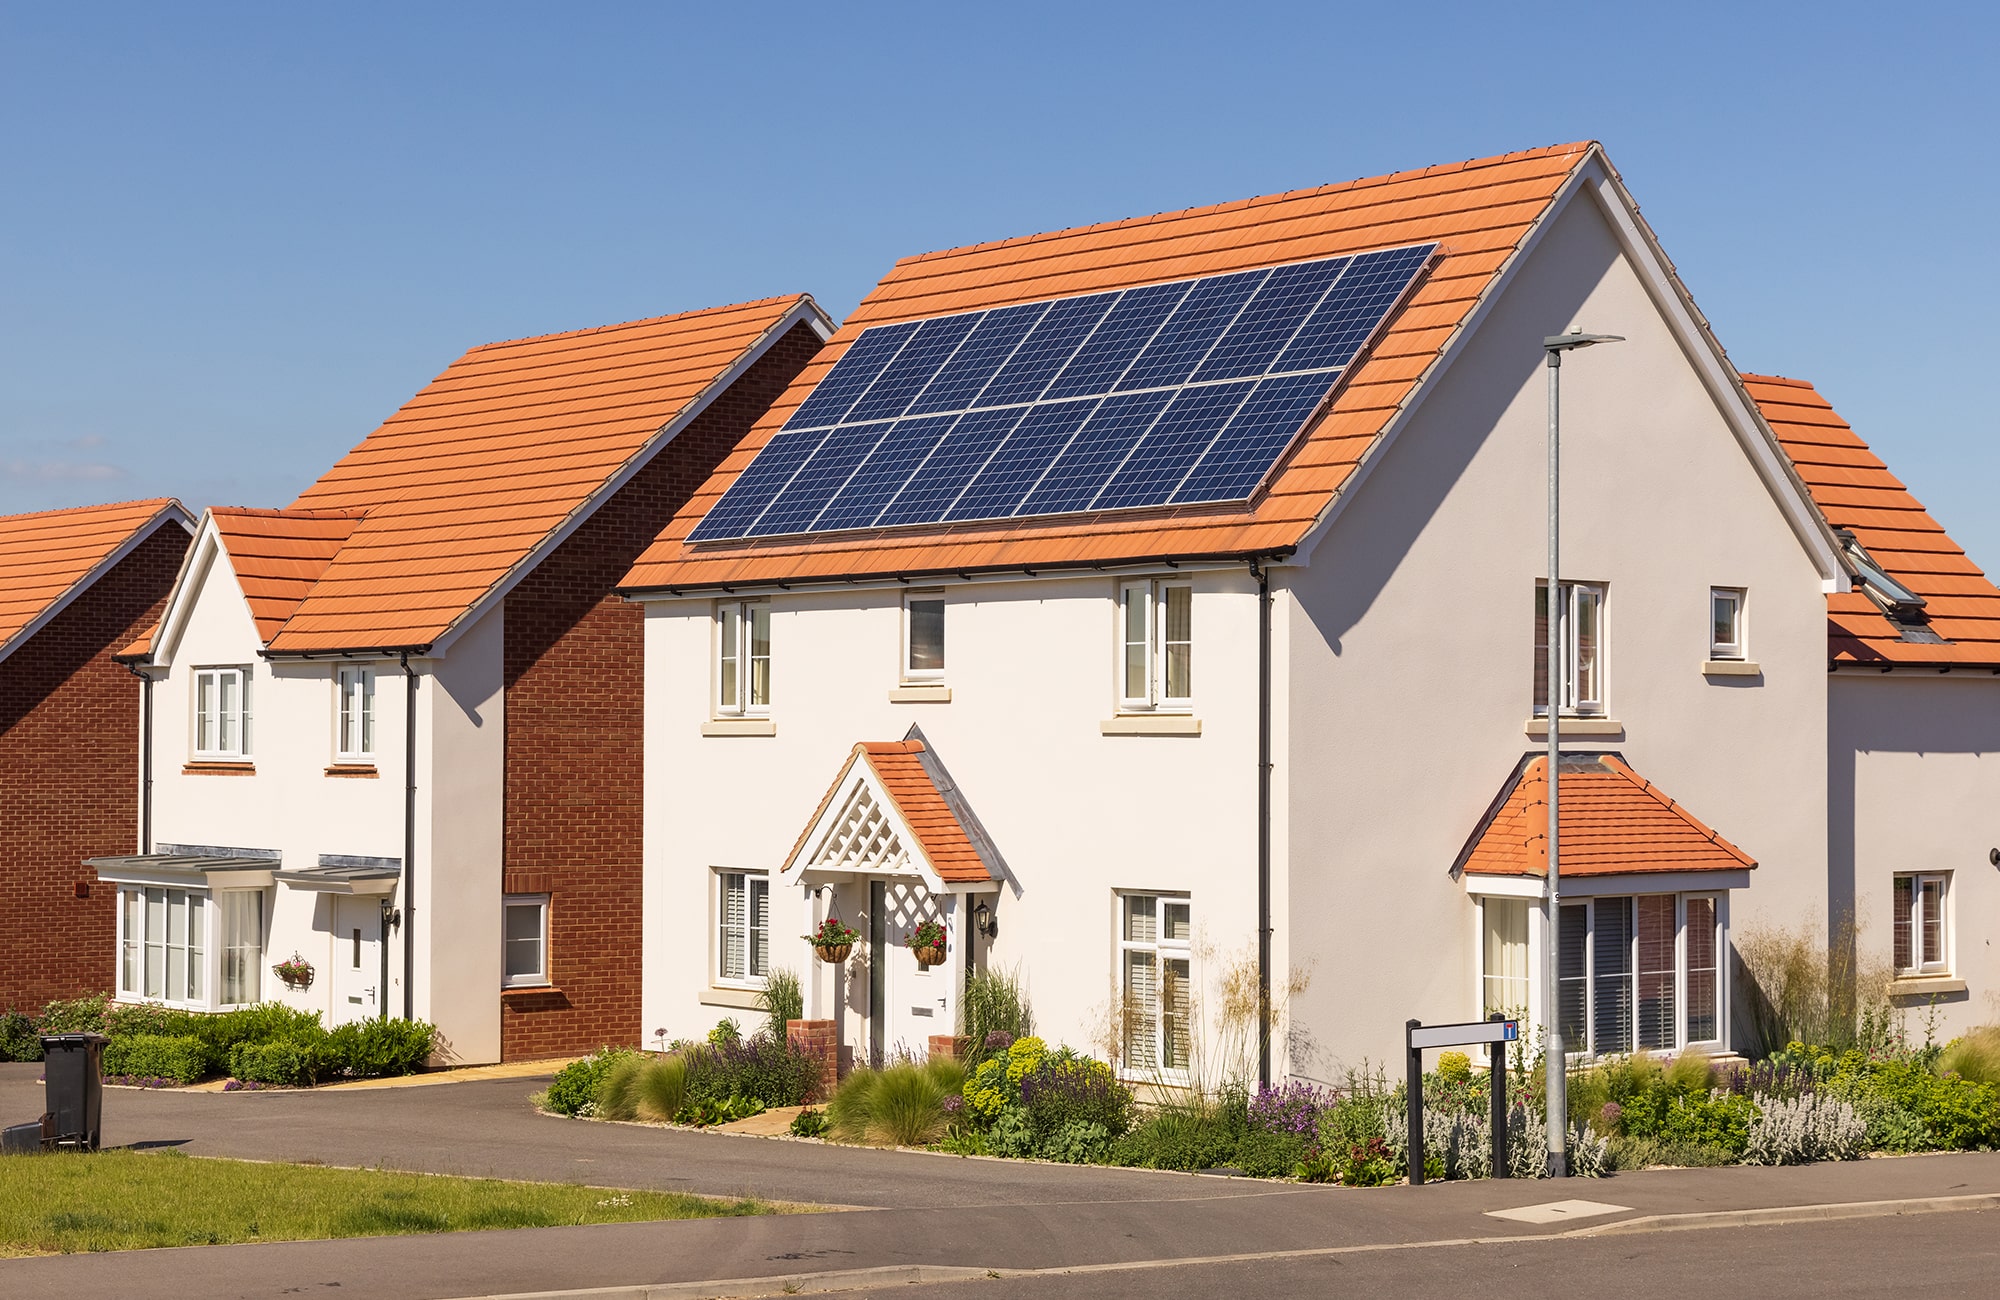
234 239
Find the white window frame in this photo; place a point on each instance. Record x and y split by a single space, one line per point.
1738 647
526 979
1585 1048
226 901
1919 967
1483 954
218 676
354 714
135 951
1572 596
753 882
735 660
1163 949
910 672
1145 651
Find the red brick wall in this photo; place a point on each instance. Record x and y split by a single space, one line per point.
69 763
575 677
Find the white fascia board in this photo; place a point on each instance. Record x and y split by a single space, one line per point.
173 512
196 566
805 311
1124 570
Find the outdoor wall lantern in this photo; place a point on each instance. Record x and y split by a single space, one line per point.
982 918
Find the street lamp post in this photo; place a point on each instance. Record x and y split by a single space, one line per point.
1554 1053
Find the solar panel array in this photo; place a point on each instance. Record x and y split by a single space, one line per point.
1182 393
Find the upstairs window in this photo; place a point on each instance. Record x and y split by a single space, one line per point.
923 638
1922 933
354 725
743 658
221 713
1725 623
1156 643
1582 606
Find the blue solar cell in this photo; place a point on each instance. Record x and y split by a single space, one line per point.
1098 448
1006 478
1237 461
887 468
793 510
1127 328
1046 350
753 489
939 480
1176 441
856 369
1270 320
1192 330
978 358
1349 315
913 367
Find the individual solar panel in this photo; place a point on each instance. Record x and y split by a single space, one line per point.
859 365
890 395
1236 462
1184 392
1076 476
976 360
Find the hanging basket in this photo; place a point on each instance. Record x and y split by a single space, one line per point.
833 953
933 956
297 973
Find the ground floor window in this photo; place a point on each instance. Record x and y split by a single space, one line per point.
160 943
526 940
743 927
1504 956
1922 937
1155 935
1638 972
242 946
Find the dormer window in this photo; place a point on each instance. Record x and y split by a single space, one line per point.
222 713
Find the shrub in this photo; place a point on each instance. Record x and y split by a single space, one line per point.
769 1068
1801 1130
74 1015
726 1031
1294 1109
1454 1067
369 1049
1186 1137
289 1061
576 1085
18 1039
993 1003
1079 1142
1976 1056
660 1090
901 1104
1065 1091
809 1123
180 1057
1271 1153
618 1094
782 999
996 1083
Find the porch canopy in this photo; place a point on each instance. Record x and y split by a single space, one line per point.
201 866
1616 828
339 873
894 811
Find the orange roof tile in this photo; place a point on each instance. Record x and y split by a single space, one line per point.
1855 491
48 557
1478 211
1613 823
474 473
279 554
909 783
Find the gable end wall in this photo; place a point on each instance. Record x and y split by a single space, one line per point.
574 717
69 762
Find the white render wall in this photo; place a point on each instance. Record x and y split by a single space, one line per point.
1410 646
1914 760
1075 813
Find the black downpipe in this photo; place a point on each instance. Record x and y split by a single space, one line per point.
409 849
145 758
1263 577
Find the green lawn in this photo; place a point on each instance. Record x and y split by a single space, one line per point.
128 1200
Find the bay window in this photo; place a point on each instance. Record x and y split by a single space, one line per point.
160 942
1155 949
1638 973
242 946
1504 956
1582 608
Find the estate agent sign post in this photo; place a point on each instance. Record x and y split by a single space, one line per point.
1496 1033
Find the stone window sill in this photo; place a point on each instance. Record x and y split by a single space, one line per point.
530 990
352 769
1732 668
741 999
1577 727
739 727
214 767
920 694
1913 986
1150 724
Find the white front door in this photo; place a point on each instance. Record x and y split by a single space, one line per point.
357 958
917 1001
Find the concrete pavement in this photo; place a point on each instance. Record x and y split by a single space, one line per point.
923 1209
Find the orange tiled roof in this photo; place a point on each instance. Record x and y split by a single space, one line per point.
49 556
1614 822
1856 492
279 554
1479 211
473 473
899 769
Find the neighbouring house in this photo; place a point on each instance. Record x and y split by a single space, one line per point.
1159 607
397 724
1913 727
75 586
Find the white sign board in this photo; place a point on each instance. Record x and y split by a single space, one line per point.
1474 1031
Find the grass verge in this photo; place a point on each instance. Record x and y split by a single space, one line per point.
126 1200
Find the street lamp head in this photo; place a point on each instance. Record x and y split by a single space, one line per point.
1578 339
